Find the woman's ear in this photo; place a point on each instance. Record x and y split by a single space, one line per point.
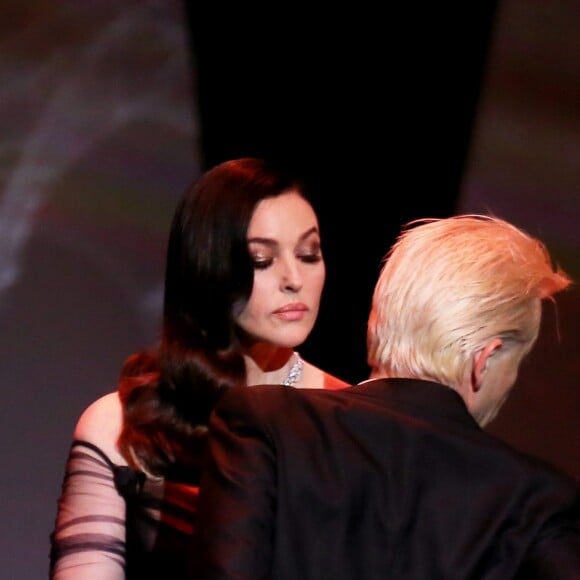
481 360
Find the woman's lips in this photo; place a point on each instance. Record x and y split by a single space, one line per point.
292 312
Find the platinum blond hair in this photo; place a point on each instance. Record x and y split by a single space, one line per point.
449 285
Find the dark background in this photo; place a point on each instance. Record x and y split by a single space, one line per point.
110 109
373 106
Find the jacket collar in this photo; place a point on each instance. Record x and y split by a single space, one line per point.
424 399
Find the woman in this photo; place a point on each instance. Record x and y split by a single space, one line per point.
244 277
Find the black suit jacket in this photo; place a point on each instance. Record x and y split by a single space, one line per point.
387 479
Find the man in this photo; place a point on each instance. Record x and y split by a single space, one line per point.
395 477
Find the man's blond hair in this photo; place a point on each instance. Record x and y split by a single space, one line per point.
449 285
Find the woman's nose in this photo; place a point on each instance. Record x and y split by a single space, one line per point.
291 279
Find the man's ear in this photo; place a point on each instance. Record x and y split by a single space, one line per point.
481 362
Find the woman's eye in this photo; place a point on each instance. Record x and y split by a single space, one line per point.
310 258
262 263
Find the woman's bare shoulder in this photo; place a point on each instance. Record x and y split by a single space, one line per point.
315 377
333 383
101 423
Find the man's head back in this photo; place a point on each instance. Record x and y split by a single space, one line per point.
458 301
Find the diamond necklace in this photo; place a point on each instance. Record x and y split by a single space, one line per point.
295 373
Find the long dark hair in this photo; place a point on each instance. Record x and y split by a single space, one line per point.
168 392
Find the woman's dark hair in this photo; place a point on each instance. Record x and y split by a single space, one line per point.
168 393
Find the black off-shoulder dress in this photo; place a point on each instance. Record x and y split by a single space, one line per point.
115 523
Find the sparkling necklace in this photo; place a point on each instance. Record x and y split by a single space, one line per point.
295 373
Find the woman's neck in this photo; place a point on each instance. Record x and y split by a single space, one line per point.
266 364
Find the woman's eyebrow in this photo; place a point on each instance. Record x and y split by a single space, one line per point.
309 232
272 242
264 241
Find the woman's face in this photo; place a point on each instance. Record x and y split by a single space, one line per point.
289 271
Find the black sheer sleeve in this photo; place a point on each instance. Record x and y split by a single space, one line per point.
88 540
